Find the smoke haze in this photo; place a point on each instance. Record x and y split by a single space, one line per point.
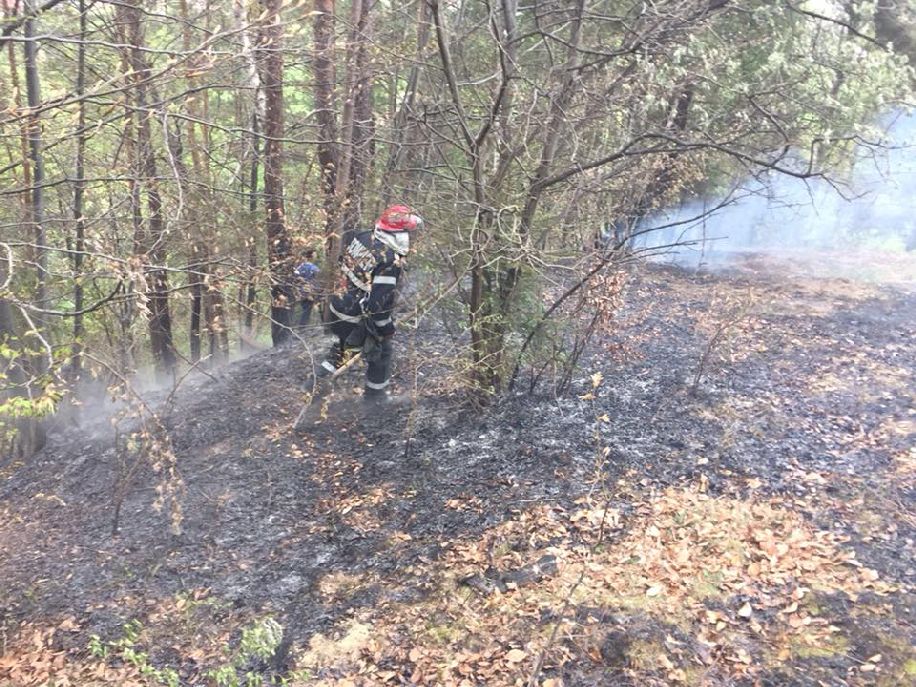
793 218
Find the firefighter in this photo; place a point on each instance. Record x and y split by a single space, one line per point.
362 317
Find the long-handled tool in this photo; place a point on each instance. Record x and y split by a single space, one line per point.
327 383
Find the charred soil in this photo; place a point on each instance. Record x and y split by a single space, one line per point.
726 499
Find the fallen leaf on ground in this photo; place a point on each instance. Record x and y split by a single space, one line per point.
516 656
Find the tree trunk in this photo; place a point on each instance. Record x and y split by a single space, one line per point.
484 374
254 148
278 241
195 267
33 94
198 263
207 301
215 301
20 437
402 115
325 112
895 23
340 214
152 239
15 101
664 177
347 125
363 121
251 293
78 190
480 313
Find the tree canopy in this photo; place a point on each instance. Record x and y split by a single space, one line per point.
163 166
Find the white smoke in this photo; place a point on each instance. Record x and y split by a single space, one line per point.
785 215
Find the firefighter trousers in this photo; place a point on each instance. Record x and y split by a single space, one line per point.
348 323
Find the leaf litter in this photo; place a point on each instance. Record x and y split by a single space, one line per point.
756 529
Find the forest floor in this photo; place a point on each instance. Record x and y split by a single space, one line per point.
753 525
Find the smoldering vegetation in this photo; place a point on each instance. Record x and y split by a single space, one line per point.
868 213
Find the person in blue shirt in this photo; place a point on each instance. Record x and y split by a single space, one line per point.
306 287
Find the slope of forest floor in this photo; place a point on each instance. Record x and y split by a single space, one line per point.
727 498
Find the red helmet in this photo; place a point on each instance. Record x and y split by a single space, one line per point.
398 218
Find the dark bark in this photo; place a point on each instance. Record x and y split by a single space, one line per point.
196 263
567 87
15 93
19 437
207 301
78 191
665 177
197 244
895 23
363 121
214 298
402 115
345 158
340 208
324 88
485 374
32 11
325 113
33 95
27 433
249 292
194 284
150 238
553 131
278 241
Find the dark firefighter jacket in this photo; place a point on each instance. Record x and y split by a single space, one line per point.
372 269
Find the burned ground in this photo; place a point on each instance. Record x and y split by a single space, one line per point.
726 499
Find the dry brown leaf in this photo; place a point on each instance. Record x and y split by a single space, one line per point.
516 656
868 575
